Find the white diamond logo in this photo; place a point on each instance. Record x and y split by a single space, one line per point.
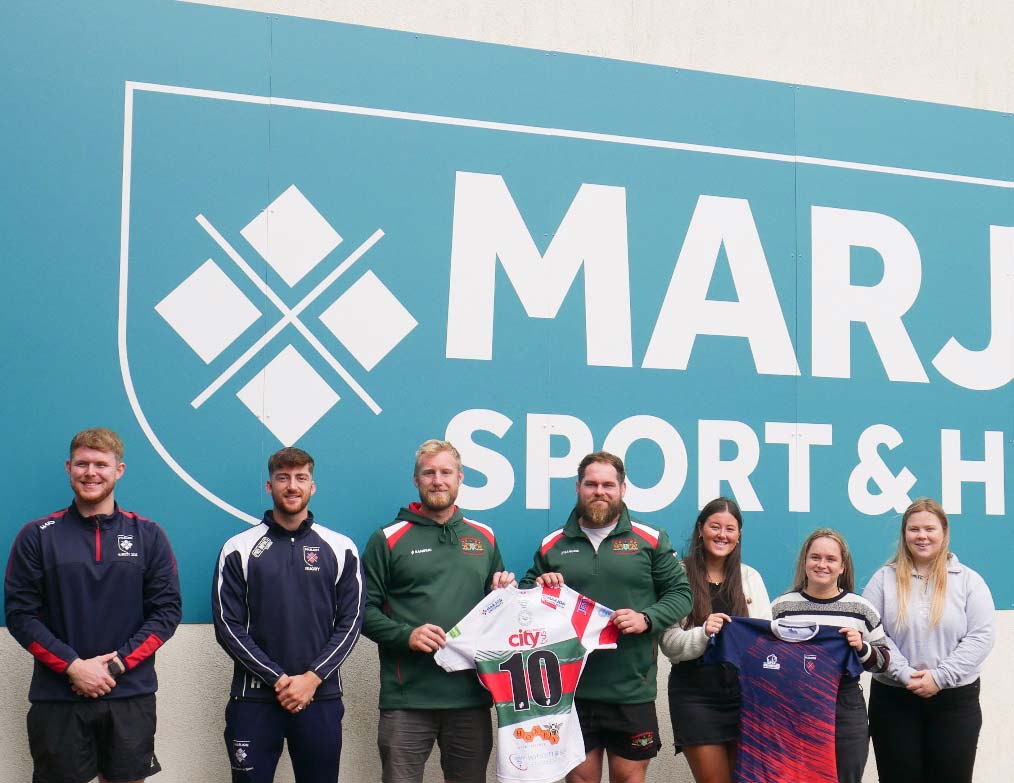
291 235
208 311
272 398
368 320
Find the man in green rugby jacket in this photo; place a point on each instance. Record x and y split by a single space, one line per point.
424 572
604 553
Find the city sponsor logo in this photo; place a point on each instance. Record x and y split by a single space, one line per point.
261 547
125 543
810 664
533 637
625 545
421 551
491 607
548 732
311 556
771 662
471 545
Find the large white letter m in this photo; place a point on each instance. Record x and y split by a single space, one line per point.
488 226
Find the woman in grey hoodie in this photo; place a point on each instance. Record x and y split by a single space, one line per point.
924 711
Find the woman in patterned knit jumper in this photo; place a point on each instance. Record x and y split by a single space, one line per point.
823 592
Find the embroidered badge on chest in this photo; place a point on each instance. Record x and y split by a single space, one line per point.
627 546
311 556
125 545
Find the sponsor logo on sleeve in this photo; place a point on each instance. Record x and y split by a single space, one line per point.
261 547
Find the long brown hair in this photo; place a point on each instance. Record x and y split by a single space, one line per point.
904 565
847 578
696 565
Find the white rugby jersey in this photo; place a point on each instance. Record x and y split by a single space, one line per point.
529 648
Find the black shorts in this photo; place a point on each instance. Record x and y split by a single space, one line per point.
72 742
704 704
629 731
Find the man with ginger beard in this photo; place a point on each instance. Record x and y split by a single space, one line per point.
424 572
287 603
607 555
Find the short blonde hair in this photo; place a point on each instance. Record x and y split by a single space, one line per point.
100 439
434 446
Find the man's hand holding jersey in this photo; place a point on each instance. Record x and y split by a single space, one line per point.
627 621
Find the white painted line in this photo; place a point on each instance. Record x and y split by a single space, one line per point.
537 130
121 330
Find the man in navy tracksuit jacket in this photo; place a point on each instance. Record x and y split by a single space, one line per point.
287 601
92 592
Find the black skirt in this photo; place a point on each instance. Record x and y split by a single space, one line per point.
704 702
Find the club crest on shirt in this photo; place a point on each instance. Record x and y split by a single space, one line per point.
627 546
471 545
810 664
643 740
311 556
125 543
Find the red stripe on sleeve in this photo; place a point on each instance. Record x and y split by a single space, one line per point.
58 665
610 635
645 535
144 650
397 536
570 673
499 686
481 529
549 544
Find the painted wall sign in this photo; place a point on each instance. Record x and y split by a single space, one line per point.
350 241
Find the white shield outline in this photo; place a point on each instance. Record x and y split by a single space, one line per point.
130 87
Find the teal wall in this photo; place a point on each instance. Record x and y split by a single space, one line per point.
385 130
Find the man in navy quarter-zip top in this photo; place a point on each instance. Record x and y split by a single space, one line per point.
92 592
287 603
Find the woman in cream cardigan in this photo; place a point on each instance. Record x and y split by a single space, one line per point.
704 700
